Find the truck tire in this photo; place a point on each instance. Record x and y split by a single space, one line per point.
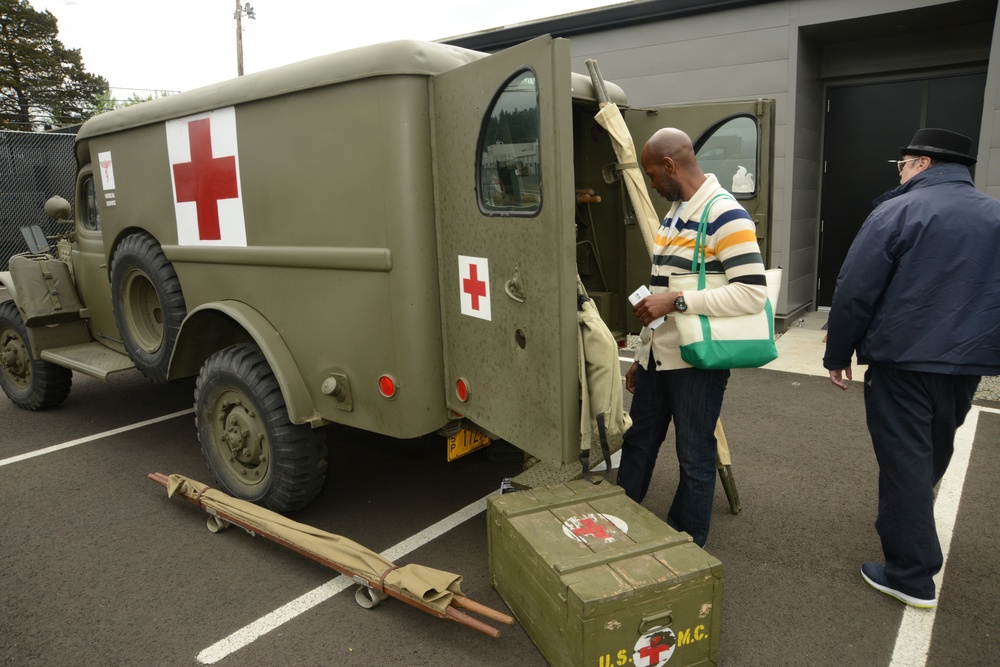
251 447
30 384
148 303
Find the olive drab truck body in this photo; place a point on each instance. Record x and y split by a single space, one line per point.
387 238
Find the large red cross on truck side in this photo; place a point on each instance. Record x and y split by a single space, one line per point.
205 179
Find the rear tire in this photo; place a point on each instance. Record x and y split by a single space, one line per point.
148 303
251 447
31 384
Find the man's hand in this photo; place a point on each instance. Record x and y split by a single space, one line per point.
630 377
837 377
654 306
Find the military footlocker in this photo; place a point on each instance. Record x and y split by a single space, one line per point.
598 581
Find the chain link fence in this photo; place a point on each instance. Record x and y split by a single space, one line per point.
33 167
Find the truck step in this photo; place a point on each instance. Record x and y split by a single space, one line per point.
91 359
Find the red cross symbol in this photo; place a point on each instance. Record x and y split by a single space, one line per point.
205 179
473 286
655 648
590 527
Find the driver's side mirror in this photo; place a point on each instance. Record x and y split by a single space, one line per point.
59 210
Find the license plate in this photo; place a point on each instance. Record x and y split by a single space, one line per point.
465 441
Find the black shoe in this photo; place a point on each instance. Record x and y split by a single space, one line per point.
874 574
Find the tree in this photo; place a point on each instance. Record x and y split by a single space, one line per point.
108 102
42 83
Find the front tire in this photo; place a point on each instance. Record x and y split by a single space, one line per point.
148 303
31 384
251 447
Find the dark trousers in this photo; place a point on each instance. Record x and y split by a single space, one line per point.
692 398
912 418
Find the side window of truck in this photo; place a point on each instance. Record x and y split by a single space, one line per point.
729 150
90 216
509 166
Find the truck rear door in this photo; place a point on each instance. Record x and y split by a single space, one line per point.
505 201
733 140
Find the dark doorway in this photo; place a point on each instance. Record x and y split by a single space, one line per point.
865 126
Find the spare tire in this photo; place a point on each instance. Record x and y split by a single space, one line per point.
148 303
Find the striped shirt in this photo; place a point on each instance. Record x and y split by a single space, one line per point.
730 247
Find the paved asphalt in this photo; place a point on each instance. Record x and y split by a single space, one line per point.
98 567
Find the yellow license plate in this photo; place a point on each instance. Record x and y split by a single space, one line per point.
465 441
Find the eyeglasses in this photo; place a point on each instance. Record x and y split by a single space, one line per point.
900 163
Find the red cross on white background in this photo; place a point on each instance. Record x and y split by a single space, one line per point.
590 527
594 527
205 179
205 173
655 648
474 287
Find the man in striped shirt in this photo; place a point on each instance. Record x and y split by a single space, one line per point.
665 387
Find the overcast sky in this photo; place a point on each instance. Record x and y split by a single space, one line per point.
175 45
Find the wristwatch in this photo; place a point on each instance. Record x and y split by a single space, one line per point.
680 305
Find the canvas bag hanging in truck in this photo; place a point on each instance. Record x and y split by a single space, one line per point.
386 238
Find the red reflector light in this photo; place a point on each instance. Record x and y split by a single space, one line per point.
387 386
462 389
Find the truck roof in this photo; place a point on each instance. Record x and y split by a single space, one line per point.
402 57
406 57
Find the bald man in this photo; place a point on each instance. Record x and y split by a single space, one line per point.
665 387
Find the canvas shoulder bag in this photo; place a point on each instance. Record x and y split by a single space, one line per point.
715 343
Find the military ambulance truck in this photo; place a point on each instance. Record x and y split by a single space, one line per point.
387 238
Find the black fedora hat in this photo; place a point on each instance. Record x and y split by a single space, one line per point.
941 145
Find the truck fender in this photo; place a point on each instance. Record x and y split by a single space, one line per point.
8 282
214 326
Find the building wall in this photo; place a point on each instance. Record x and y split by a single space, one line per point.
988 171
789 50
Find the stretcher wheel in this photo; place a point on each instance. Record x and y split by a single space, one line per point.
368 597
217 525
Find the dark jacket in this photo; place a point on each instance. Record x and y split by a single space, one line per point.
920 287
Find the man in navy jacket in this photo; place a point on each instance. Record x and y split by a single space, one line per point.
918 299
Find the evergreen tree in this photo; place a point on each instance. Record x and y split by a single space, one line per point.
42 83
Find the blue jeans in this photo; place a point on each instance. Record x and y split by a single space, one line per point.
692 398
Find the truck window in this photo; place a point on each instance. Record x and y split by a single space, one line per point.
509 170
90 216
729 150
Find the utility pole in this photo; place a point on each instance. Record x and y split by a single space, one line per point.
240 11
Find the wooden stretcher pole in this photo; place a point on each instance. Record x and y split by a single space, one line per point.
724 464
451 612
722 446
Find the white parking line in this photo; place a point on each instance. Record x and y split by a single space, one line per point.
91 438
304 603
913 641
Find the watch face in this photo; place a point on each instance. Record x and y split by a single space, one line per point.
680 305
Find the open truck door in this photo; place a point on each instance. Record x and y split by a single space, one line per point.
734 141
506 246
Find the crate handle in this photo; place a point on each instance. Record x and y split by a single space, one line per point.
664 618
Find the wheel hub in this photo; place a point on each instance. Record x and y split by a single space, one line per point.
143 313
242 438
14 358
